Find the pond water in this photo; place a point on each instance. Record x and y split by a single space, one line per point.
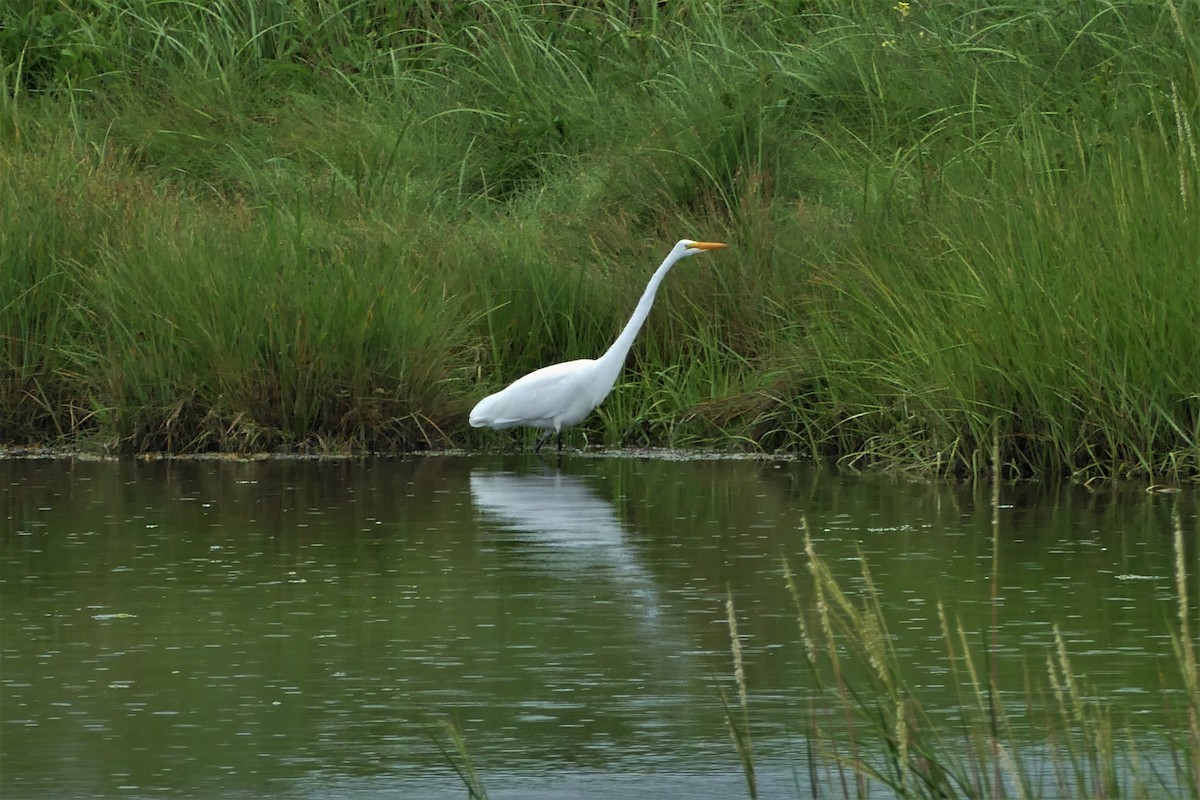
302 629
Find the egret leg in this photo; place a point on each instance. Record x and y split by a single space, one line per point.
543 439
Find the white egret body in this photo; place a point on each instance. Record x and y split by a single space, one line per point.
561 395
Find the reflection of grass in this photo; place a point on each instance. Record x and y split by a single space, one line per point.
871 731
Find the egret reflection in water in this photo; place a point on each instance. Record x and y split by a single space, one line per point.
572 531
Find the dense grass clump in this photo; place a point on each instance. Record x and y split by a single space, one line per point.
337 224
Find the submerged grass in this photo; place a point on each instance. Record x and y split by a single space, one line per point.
315 225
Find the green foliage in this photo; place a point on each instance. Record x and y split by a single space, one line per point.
947 221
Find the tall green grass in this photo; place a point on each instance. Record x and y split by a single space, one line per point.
949 221
1053 308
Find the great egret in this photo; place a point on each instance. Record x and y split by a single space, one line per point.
561 395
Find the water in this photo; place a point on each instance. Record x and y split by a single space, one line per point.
302 629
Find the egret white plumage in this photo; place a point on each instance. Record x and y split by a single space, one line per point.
562 395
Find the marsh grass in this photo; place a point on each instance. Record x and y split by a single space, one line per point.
869 730
738 718
948 222
459 759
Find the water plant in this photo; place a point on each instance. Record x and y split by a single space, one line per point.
460 761
869 730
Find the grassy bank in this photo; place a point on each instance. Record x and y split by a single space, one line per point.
324 225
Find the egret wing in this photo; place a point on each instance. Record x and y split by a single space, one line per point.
538 399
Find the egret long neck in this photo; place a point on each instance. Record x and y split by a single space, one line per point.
609 365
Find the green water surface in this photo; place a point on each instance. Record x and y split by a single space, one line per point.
301 629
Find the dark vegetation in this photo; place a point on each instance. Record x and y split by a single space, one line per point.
317 225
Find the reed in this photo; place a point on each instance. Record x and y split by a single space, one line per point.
460 761
949 223
875 733
738 720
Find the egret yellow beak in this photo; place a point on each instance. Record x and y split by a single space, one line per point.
707 245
